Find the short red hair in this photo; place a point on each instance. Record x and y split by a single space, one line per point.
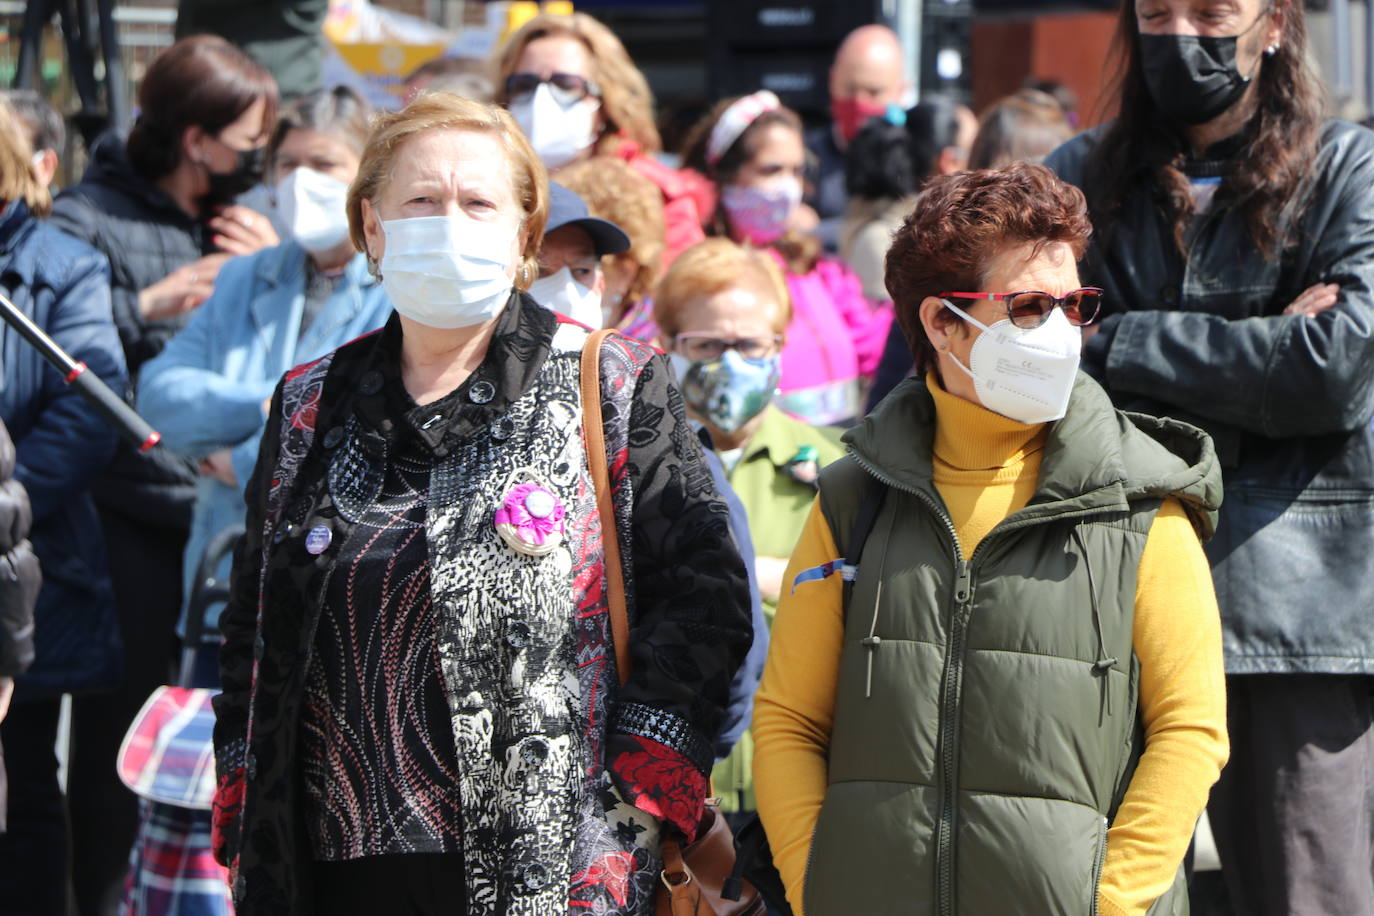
961 222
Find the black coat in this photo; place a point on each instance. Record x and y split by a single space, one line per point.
145 236
1287 399
688 590
61 443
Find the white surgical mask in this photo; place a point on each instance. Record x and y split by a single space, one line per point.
1026 374
560 292
447 271
313 207
558 134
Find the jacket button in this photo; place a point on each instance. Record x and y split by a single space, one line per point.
282 533
534 751
518 634
371 382
535 876
1169 294
333 437
481 392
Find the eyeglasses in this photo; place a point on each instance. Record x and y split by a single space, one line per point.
1032 308
567 88
702 348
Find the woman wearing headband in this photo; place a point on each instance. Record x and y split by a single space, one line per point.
751 147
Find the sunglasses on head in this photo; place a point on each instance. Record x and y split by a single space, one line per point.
567 88
1031 308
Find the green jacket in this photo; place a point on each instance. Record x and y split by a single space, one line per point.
777 504
985 719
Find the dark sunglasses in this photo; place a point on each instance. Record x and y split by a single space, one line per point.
567 88
1032 308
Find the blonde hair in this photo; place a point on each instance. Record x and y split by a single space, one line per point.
18 181
614 191
626 103
442 111
712 267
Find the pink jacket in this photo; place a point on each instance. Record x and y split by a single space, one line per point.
834 342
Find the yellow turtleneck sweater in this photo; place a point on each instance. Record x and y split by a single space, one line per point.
986 467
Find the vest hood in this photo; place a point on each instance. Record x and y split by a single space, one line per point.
1096 458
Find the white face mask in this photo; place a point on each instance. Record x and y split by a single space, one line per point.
447 271
1024 374
558 134
313 207
560 292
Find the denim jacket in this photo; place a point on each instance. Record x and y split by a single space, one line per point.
1288 399
208 389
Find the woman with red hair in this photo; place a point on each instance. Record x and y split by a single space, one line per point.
998 653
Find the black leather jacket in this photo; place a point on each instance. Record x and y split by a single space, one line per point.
1288 399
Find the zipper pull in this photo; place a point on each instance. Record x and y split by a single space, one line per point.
963 582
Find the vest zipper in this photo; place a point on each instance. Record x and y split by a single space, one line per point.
951 682
1098 862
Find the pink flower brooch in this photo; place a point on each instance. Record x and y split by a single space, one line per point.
530 518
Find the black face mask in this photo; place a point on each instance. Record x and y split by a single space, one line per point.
1191 79
247 174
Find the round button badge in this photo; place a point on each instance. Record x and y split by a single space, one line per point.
317 541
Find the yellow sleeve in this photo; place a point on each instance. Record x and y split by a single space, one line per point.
1183 708
795 705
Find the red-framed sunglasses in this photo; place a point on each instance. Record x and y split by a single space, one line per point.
1031 308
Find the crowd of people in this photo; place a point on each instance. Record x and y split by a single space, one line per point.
886 520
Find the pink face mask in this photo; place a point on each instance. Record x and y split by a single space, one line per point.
850 115
760 214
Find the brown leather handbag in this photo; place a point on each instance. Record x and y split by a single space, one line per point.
697 876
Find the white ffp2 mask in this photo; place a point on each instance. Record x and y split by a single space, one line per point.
313 206
560 292
558 134
447 271
1026 374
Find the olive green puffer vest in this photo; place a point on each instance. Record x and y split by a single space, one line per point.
985 719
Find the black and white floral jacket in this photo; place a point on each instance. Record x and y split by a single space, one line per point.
544 710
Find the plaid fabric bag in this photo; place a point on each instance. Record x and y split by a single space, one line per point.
171 870
168 754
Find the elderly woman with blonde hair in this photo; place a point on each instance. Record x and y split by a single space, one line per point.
421 703
723 311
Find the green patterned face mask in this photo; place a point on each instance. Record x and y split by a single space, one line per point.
730 391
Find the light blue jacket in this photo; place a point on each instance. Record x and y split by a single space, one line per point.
206 390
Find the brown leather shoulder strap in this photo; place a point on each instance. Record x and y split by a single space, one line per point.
594 435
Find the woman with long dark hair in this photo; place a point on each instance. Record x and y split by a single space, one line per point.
159 206
1236 245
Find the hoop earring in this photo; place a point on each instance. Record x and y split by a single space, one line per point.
374 268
